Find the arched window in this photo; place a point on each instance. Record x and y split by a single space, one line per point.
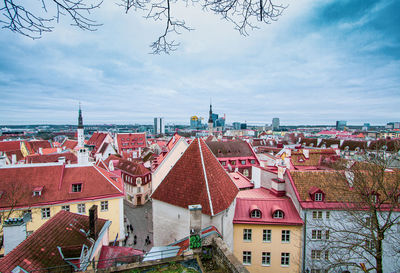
278 214
255 213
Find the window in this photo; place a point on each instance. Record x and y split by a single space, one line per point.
81 208
45 213
266 235
243 162
374 198
326 254
37 193
233 162
252 161
315 254
285 258
255 213
65 207
27 215
318 197
247 257
246 234
327 214
223 163
77 187
316 234
246 172
266 258
317 214
285 236
104 205
327 235
278 214
139 189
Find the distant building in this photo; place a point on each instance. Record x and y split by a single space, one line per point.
393 125
243 126
275 124
366 127
236 125
340 124
195 122
159 126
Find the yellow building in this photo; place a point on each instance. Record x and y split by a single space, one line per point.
267 232
42 190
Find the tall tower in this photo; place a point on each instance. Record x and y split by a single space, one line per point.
210 122
83 155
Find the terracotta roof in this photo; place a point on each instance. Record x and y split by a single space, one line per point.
171 143
103 148
131 141
241 181
57 184
131 167
111 254
334 184
37 158
235 148
6 146
40 250
34 145
267 202
197 178
316 156
69 144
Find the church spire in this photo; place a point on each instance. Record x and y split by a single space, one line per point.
80 121
210 119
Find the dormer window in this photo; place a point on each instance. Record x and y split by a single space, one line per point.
243 162
374 198
77 187
138 181
255 214
278 214
318 197
37 191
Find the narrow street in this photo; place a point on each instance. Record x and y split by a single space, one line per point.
141 219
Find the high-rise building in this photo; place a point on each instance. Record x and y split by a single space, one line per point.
159 126
236 125
340 124
195 122
275 124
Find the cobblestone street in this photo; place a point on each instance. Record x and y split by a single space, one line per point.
141 219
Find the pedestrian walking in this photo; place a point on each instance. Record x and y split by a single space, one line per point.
131 227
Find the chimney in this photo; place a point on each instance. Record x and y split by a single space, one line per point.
288 152
306 153
59 150
195 228
14 230
61 159
278 184
256 177
13 159
40 150
92 222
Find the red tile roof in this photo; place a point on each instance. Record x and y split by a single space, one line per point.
236 148
6 146
111 254
36 158
40 250
267 202
57 184
69 144
186 183
241 181
34 145
131 167
132 141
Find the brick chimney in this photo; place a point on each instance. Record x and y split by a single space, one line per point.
92 222
195 228
278 184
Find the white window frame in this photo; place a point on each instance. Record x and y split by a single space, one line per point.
81 208
316 254
246 258
317 214
247 234
267 235
255 213
278 214
285 237
46 213
266 259
66 207
104 206
318 197
285 259
76 187
316 234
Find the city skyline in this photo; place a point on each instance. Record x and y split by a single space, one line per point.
320 62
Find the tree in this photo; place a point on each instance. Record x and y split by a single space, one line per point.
363 230
244 14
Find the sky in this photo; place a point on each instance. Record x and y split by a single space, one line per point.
321 61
